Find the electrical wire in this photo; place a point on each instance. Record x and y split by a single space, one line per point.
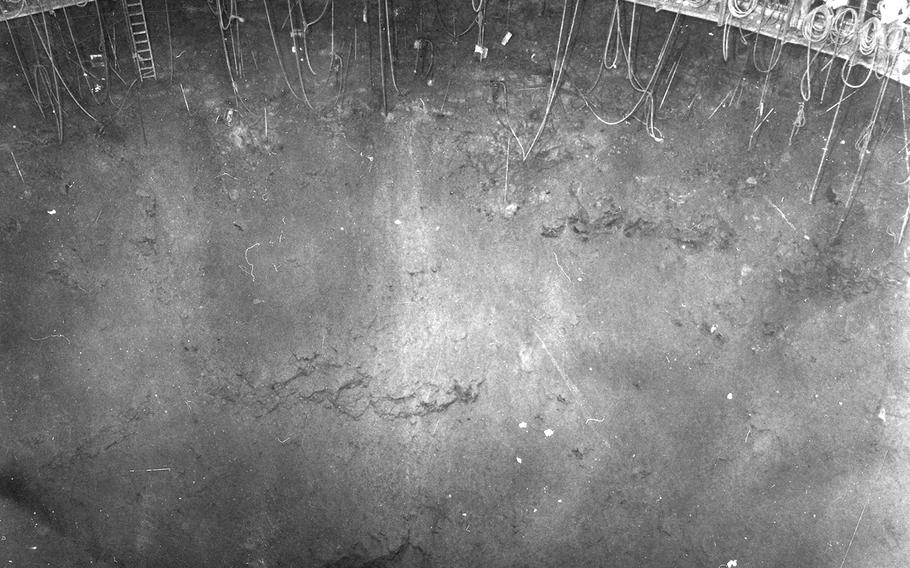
24 71
455 36
844 25
557 74
47 50
866 137
646 92
295 49
826 149
603 59
869 34
741 8
847 68
306 29
227 58
816 25
777 48
388 38
284 71
88 83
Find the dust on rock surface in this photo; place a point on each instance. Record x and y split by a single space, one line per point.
238 331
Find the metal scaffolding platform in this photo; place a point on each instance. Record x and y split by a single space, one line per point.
835 27
12 9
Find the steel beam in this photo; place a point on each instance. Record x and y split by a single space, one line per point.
12 9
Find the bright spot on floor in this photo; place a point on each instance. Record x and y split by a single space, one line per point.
548 432
522 424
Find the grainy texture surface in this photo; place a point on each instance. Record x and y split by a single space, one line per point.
357 340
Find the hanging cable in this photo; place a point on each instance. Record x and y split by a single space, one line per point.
816 28
47 50
295 49
777 48
24 71
284 72
855 186
741 8
558 70
869 34
844 25
614 24
305 30
847 68
646 92
58 103
821 163
816 25
102 46
227 57
88 83
388 37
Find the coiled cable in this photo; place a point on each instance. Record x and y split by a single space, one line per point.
816 26
742 8
869 34
844 25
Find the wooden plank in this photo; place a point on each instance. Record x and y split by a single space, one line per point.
11 9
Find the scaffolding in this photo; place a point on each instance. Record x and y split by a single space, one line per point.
846 29
12 9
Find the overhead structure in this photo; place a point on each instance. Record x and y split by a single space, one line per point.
12 9
134 11
873 34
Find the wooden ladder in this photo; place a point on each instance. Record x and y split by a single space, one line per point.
139 39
